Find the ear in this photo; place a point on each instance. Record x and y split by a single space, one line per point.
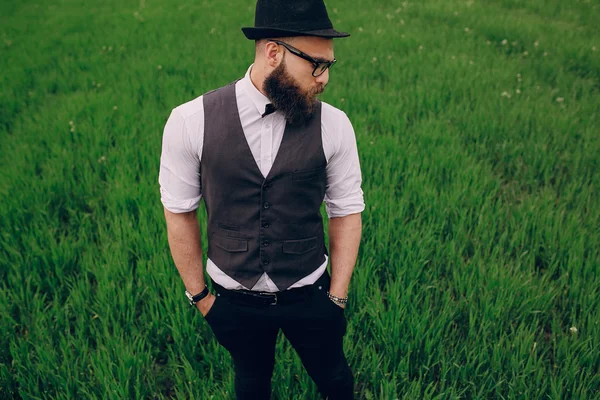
273 54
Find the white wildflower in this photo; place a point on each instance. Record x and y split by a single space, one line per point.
573 330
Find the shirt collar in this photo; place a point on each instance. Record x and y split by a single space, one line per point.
259 100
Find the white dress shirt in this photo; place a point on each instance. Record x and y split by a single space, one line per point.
183 135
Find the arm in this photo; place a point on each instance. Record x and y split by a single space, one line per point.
344 240
179 181
183 232
184 236
344 202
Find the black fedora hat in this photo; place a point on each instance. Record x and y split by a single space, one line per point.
279 18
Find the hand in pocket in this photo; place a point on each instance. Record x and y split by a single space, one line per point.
206 304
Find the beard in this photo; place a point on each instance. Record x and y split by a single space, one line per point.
285 94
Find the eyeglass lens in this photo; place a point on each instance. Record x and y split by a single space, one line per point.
322 67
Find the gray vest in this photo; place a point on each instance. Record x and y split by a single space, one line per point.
258 224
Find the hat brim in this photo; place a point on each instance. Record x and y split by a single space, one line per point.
256 33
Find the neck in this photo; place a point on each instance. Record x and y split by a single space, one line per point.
257 77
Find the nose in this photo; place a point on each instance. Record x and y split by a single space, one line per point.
323 78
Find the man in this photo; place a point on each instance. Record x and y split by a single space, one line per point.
264 154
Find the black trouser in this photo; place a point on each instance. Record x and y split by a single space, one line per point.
314 326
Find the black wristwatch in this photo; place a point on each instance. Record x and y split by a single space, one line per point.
194 299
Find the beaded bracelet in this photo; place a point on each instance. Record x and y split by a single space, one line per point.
339 300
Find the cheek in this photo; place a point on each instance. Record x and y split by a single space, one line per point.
305 81
302 73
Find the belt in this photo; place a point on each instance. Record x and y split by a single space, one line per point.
257 298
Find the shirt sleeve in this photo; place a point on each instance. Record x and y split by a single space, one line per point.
179 175
343 193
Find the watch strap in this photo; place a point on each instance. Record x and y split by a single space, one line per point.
196 298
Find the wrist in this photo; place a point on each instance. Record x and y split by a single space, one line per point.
194 299
337 300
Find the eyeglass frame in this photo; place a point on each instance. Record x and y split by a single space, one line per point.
305 56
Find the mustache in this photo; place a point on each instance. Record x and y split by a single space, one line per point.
317 90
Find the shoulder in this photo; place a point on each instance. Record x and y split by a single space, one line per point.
335 128
331 115
191 109
194 109
192 114
186 124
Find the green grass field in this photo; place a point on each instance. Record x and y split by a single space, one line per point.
479 136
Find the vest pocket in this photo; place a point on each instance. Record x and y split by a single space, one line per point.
228 227
231 245
299 246
306 174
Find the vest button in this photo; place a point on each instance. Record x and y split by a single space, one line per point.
266 205
266 187
265 243
265 261
265 225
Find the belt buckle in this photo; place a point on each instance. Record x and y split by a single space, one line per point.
270 294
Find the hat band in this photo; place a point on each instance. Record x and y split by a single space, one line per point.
307 25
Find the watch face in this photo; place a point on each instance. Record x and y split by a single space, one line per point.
189 296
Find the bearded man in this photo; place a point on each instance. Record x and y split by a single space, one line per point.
265 153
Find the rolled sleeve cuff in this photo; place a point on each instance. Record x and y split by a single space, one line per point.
346 206
178 205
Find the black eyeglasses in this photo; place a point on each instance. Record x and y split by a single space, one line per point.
320 65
